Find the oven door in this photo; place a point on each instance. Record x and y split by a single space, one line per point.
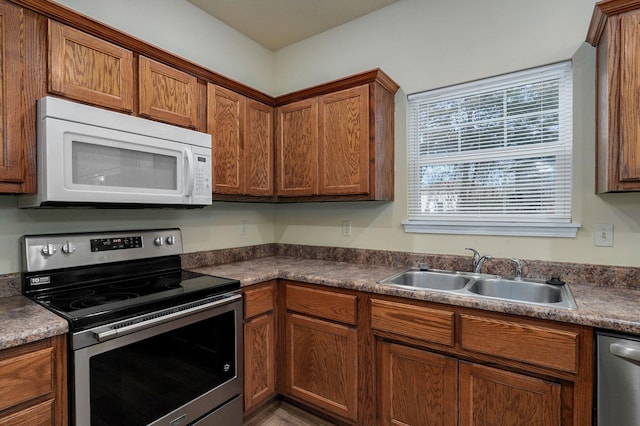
173 373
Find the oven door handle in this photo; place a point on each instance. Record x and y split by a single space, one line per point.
157 320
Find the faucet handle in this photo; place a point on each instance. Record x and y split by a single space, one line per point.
519 264
424 266
476 255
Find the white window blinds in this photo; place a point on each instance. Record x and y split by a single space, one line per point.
497 149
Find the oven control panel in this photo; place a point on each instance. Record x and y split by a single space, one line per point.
116 243
54 251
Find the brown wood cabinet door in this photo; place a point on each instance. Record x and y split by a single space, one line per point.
630 97
343 152
259 360
225 110
167 94
298 149
489 396
12 142
416 387
258 149
89 69
321 364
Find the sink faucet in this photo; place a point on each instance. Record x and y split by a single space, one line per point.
478 260
519 264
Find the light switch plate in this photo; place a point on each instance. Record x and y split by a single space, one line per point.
603 235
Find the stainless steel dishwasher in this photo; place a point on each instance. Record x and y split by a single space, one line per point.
618 380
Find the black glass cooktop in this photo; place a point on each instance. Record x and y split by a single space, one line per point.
90 298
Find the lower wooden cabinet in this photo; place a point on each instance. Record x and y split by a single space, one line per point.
33 378
489 396
324 349
416 387
321 364
259 346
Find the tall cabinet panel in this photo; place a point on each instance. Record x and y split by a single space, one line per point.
344 142
259 147
12 143
298 149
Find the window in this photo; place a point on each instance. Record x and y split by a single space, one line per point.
493 156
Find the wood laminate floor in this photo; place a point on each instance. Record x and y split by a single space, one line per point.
282 414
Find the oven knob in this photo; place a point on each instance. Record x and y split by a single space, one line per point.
68 248
158 241
171 240
48 250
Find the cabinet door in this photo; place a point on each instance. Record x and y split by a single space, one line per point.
630 97
298 149
259 360
258 149
167 94
12 141
89 69
489 396
225 111
321 364
416 387
343 154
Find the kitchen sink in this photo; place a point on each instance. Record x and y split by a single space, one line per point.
429 279
523 291
484 286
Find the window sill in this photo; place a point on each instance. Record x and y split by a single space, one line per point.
521 229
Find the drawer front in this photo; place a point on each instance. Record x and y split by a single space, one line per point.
417 322
258 301
323 304
533 344
38 415
25 377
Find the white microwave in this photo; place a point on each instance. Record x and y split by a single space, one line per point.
88 156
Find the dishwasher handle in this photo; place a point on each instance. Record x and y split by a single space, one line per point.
625 352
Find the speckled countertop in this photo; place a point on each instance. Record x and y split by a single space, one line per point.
24 321
600 307
613 308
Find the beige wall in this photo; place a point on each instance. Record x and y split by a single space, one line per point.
422 45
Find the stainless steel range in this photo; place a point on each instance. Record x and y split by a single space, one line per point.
149 343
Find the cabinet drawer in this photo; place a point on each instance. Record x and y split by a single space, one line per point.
258 301
533 344
38 415
324 304
431 325
25 377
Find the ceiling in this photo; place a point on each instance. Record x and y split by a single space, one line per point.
277 23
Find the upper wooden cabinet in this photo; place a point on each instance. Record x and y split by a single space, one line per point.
335 141
168 94
95 71
298 149
615 31
89 69
12 142
242 143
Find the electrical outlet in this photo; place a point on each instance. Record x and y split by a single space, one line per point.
243 227
603 235
346 228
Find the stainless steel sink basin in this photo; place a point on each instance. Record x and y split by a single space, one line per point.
432 280
523 291
484 286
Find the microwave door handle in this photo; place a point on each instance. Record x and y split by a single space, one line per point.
191 172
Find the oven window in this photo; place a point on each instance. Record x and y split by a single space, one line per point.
140 382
